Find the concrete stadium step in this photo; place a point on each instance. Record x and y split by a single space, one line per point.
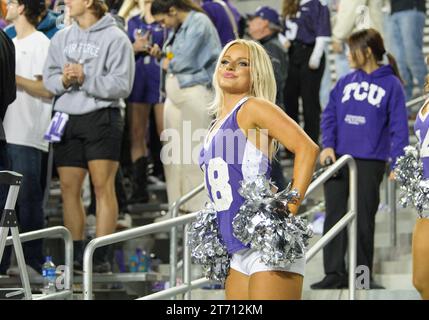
399 281
393 267
208 294
361 295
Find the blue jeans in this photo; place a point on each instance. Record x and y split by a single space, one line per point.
29 206
406 32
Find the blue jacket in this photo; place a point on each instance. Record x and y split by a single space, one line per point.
195 51
48 26
366 116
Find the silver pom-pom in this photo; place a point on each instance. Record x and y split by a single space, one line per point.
265 223
206 245
414 190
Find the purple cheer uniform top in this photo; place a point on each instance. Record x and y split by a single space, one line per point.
421 127
227 158
312 20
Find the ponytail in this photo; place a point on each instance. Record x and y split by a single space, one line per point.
394 65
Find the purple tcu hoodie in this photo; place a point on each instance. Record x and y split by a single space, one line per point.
366 116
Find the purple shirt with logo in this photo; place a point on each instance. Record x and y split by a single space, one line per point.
366 116
312 20
227 158
421 127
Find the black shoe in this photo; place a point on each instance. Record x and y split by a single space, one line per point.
375 285
139 182
331 281
102 268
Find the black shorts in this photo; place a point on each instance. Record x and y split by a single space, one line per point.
93 136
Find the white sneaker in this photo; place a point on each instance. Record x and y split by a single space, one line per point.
124 222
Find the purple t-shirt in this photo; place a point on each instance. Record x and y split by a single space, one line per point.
366 116
220 19
227 158
421 127
312 20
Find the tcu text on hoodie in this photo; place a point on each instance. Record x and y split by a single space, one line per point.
366 117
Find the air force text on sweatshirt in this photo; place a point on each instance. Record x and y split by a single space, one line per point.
366 116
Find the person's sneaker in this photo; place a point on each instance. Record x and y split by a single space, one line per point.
331 281
14 272
102 268
124 222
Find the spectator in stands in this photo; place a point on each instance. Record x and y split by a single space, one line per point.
47 23
264 27
192 50
223 18
366 118
90 68
407 22
143 32
308 28
25 123
7 96
353 15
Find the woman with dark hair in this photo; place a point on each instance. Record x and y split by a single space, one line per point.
90 69
191 51
366 118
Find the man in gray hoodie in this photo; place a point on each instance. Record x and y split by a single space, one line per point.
90 69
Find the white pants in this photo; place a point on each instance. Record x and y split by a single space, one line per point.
248 261
187 109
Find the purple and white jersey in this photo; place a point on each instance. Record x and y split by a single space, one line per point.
421 127
228 158
312 20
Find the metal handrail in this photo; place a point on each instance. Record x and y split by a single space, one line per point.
52 232
124 236
348 219
415 101
173 233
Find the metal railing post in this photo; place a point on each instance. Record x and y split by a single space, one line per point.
173 233
392 211
187 274
173 248
352 229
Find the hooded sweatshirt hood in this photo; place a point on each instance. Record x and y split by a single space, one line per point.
366 116
108 63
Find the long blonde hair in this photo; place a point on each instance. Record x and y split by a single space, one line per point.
262 81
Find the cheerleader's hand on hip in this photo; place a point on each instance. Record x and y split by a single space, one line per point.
326 154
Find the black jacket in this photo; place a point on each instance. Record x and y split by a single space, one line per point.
279 59
7 76
402 5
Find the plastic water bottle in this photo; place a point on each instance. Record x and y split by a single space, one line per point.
49 276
